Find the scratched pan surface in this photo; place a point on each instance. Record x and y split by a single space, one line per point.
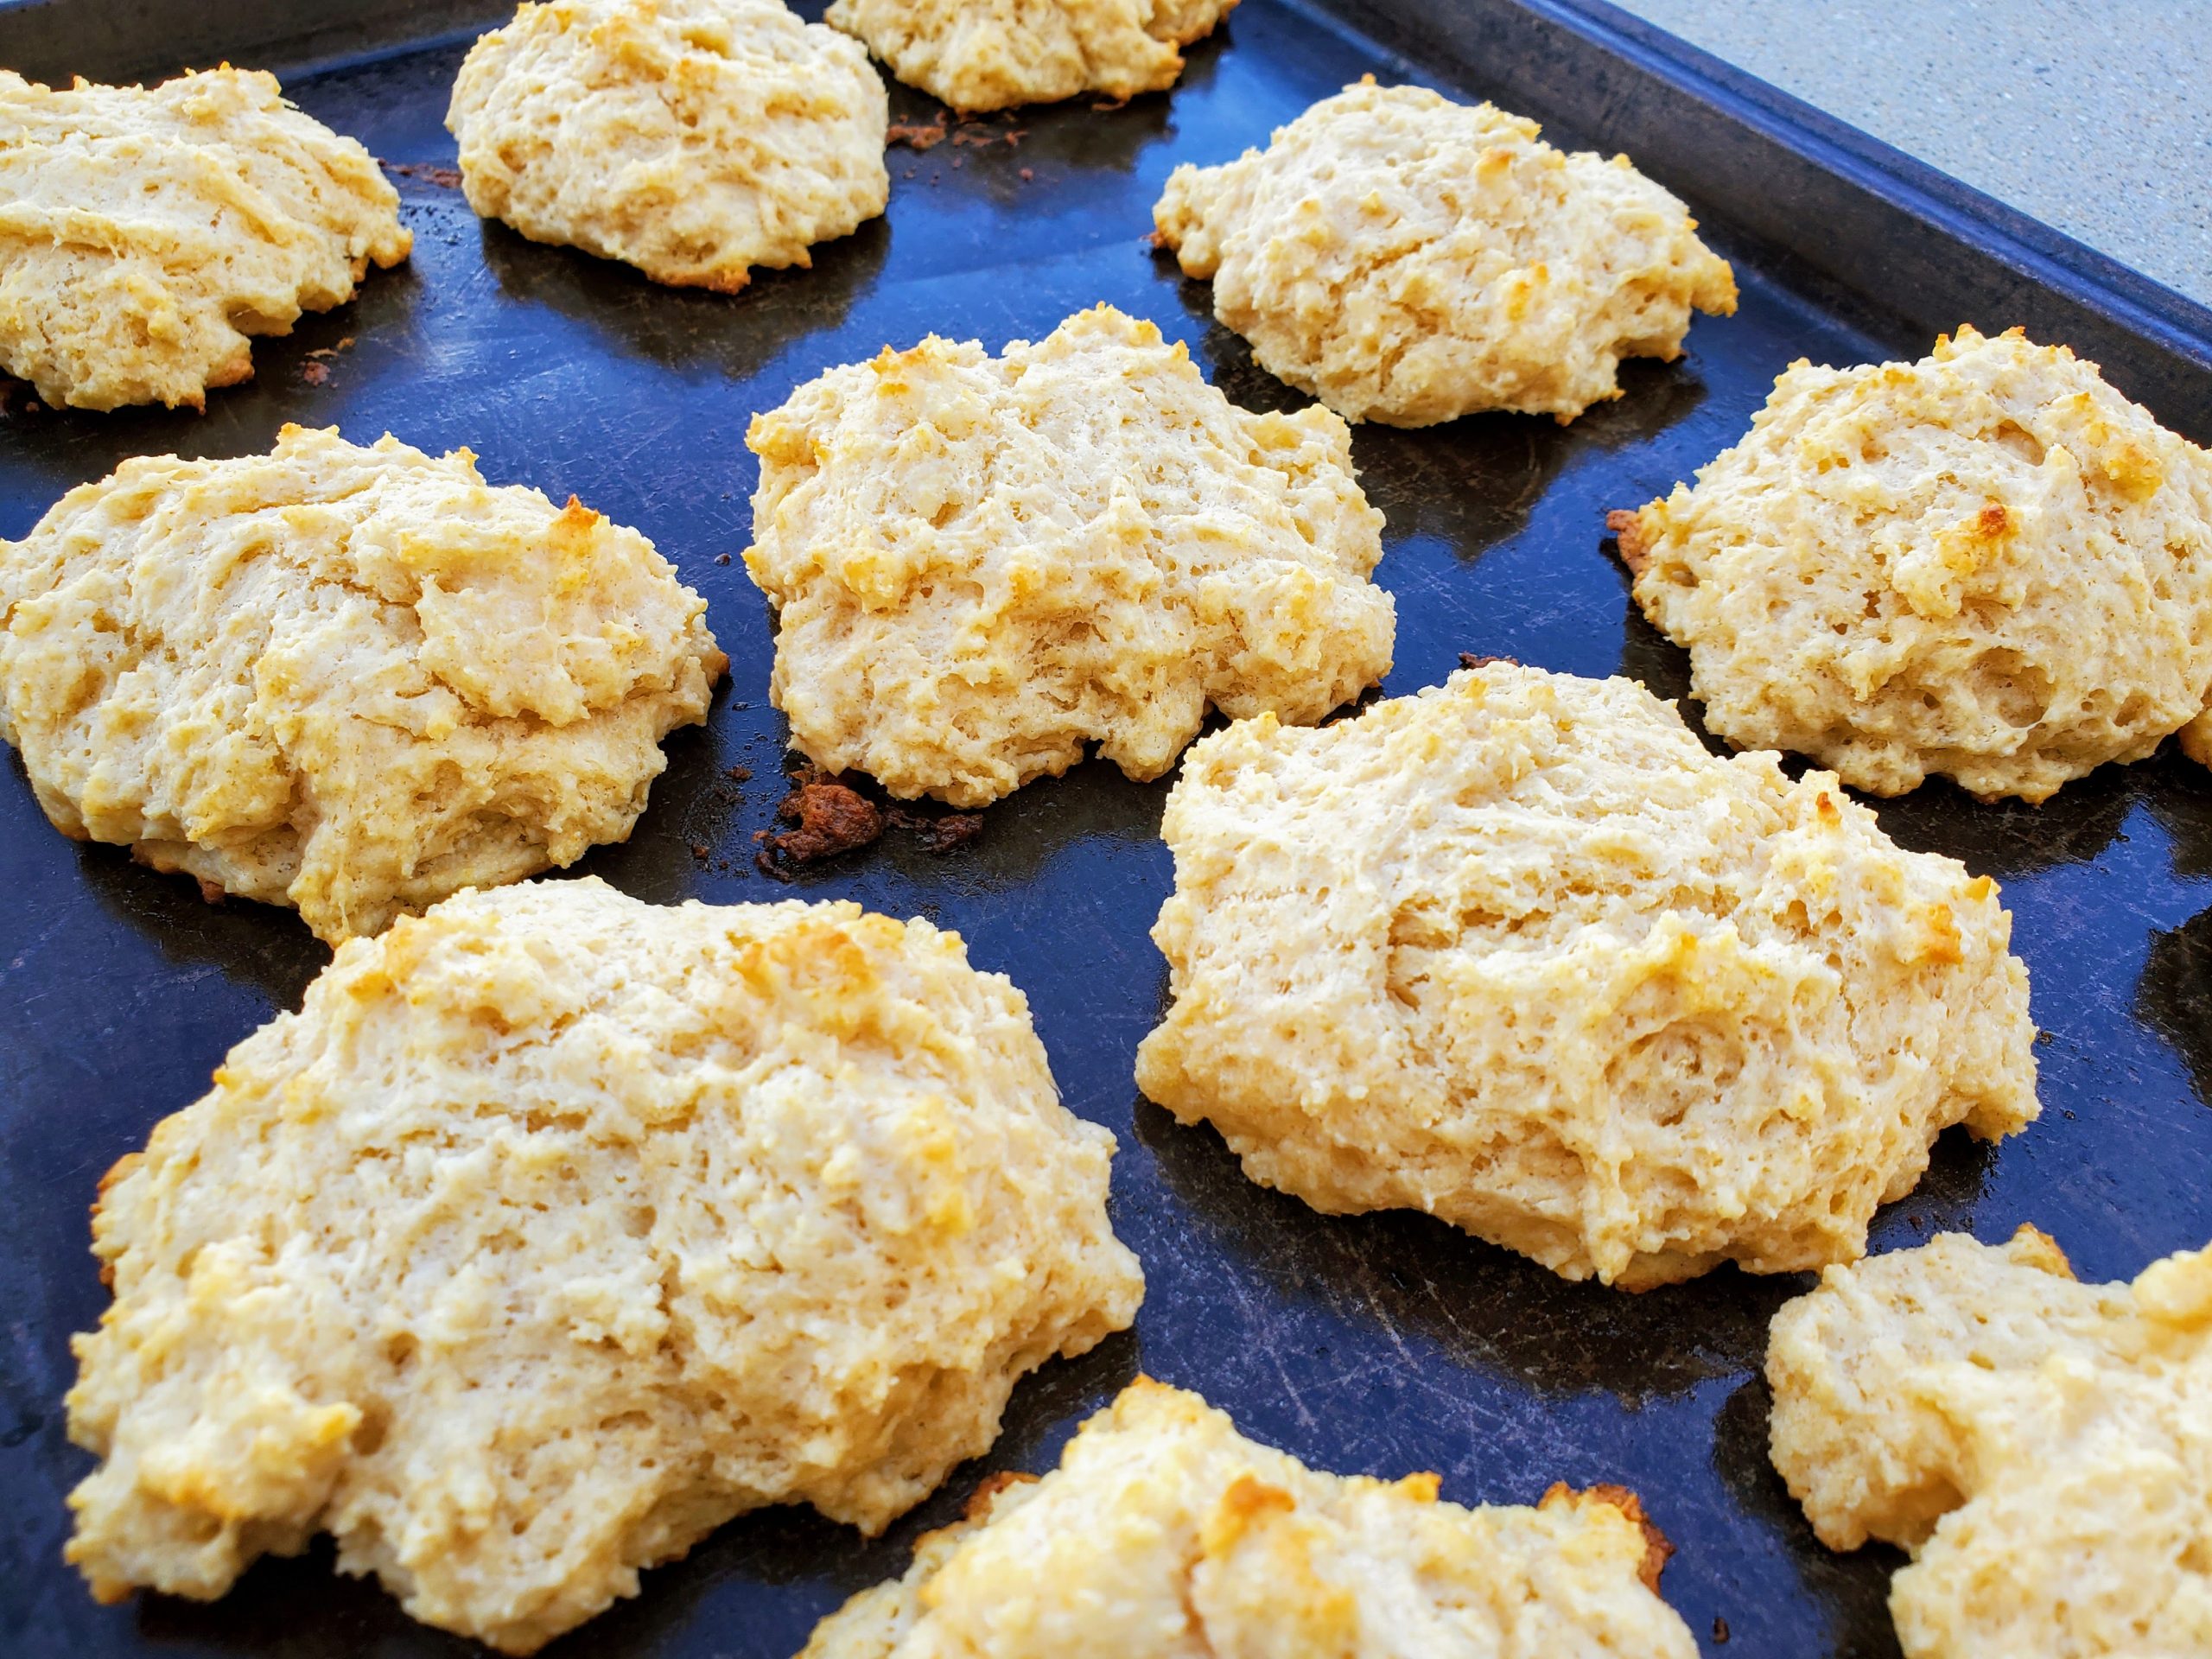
1381 1344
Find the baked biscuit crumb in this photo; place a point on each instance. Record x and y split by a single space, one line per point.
1987 565
1161 1518
352 680
150 232
2042 1448
695 139
1519 952
1409 260
980 564
557 1228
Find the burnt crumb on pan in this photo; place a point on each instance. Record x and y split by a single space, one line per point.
940 834
1657 1550
1719 1630
832 818
1469 659
315 369
1108 106
1153 240
915 136
447 178
700 851
1629 529
17 399
740 774
1028 174
722 558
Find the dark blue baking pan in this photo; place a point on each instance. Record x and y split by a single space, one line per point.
1381 1344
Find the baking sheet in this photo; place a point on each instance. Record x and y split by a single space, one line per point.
1380 1344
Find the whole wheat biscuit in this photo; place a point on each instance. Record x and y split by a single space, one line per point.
1408 260
555 1229
1164 1533
2043 1448
1988 564
993 54
146 233
694 139
980 564
350 680
1519 952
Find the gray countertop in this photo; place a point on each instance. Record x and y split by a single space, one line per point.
2093 118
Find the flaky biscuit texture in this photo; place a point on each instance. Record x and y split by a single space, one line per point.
1165 1534
555 1229
2044 1448
1988 564
1408 260
694 139
146 233
980 564
350 680
993 54
1519 952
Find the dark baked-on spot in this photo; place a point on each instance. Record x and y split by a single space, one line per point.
831 817
1469 659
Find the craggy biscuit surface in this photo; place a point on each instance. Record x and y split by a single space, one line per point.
1165 1534
694 139
2043 1448
1519 952
1986 564
557 1228
979 564
993 54
145 233
350 680
1408 260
